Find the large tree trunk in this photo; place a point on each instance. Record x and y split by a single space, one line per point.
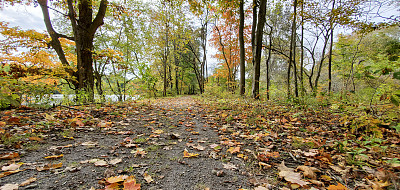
242 49
84 29
257 57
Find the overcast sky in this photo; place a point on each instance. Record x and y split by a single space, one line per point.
26 17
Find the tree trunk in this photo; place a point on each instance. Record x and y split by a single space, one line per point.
83 29
330 53
292 54
257 57
242 49
267 64
302 51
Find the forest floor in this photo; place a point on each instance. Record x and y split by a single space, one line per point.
192 143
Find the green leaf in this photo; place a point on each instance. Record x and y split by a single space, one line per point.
395 100
396 75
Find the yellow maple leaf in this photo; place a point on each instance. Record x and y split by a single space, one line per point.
186 154
54 156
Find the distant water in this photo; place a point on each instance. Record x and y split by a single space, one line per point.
60 98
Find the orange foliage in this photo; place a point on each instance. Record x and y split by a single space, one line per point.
225 38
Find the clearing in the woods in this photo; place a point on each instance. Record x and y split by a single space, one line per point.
195 143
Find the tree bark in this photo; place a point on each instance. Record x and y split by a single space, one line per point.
242 49
292 53
330 53
302 50
83 29
257 57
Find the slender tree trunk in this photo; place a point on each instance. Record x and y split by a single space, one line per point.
242 50
330 53
267 64
257 58
327 35
302 51
253 31
292 54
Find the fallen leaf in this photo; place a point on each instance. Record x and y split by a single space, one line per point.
28 181
9 187
213 146
9 156
130 184
379 185
229 166
11 167
309 172
49 117
326 178
147 177
139 151
89 143
339 186
289 175
35 139
199 147
115 161
116 179
340 170
159 131
234 150
311 153
112 186
49 166
315 182
186 154
260 188
264 165
54 157
101 163
9 173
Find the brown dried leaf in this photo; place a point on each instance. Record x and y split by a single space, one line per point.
9 173
116 179
311 153
234 150
260 188
9 187
9 156
289 175
89 143
309 172
101 163
36 139
199 147
11 167
230 166
340 170
115 161
49 166
28 181
148 177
